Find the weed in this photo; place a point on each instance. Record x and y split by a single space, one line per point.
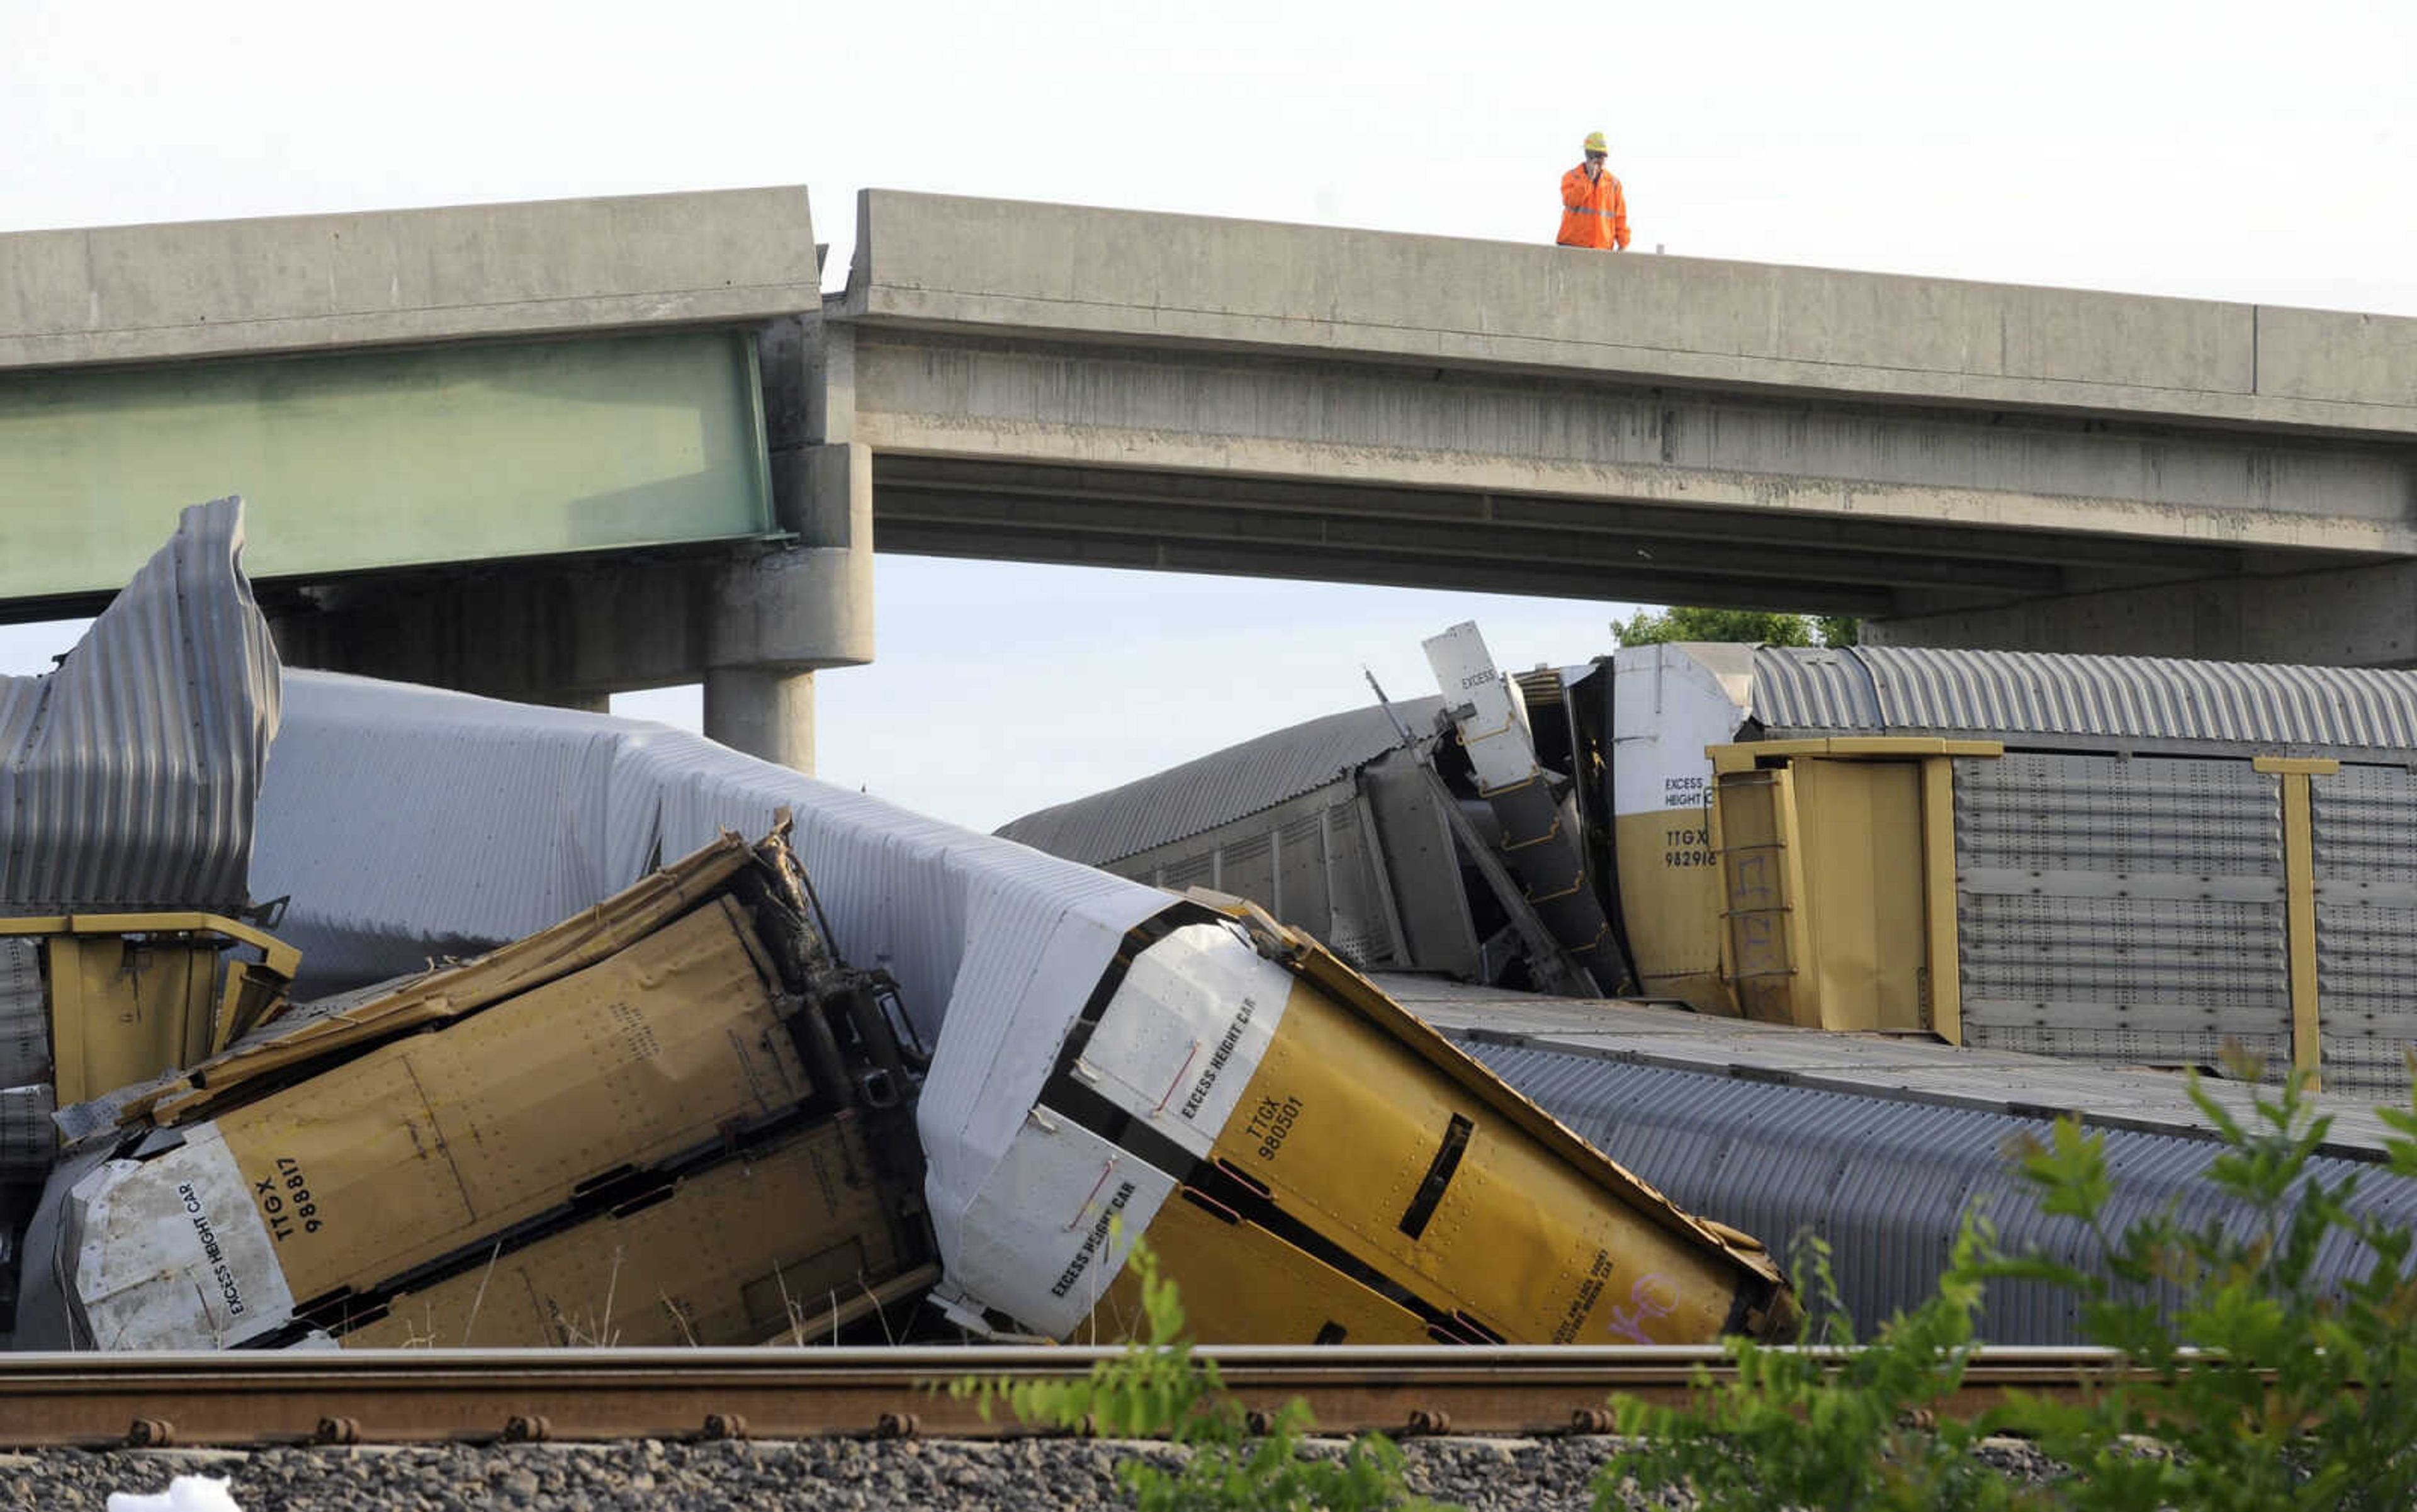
2264 1385
1834 1423
1160 1387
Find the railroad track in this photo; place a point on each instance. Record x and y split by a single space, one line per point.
491 1395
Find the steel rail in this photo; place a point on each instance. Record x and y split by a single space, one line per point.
488 1395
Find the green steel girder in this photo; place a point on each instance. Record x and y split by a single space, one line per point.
385 458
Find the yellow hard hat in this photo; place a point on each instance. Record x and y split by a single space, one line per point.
1594 142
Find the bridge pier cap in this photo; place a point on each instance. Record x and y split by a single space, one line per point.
1058 383
445 422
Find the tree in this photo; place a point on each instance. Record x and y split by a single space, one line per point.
1761 627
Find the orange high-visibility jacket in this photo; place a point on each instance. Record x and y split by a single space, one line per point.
1595 213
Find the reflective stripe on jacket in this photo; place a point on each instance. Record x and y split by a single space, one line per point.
1595 213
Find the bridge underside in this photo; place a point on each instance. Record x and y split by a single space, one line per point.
1379 473
1507 542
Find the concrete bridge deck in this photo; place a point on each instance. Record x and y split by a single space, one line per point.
1062 384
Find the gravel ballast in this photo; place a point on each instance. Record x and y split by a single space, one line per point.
1483 1474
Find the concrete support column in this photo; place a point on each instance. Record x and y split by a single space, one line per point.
765 711
780 615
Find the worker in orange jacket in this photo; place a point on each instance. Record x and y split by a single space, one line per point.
1595 213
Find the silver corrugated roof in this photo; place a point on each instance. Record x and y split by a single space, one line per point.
1886 1181
1801 690
1224 786
128 776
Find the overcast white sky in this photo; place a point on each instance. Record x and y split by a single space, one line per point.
2253 152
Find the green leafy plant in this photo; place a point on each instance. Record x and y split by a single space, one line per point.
2269 1385
2243 1376
1160 1388
1763 626
1833 1424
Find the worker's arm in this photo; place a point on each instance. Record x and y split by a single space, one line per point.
1618 216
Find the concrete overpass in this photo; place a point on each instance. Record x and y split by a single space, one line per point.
555 450
547 451
1970 464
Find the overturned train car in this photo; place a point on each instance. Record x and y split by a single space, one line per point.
128 775
2119 860
672 1117
650 1104
679 1118
1314 1165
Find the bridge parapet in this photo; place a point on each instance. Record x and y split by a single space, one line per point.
1008 268
310 283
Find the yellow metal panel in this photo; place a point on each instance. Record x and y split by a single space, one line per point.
435 1142
575 943
123 1009
1862 936
134 995
275 951
1943 966
1343 1126
1241 1284
1669 897
737 1254
1728 758
1900 746
2300 902
1587 1187
70 1011
2299 766
277 955
354 1176
1747 754
1762 888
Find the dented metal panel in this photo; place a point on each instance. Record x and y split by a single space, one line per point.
359 1020
1217 789
1311 859
1543 844
28 1139
789 1245
1801 691
128 776
24 1014
2120 910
